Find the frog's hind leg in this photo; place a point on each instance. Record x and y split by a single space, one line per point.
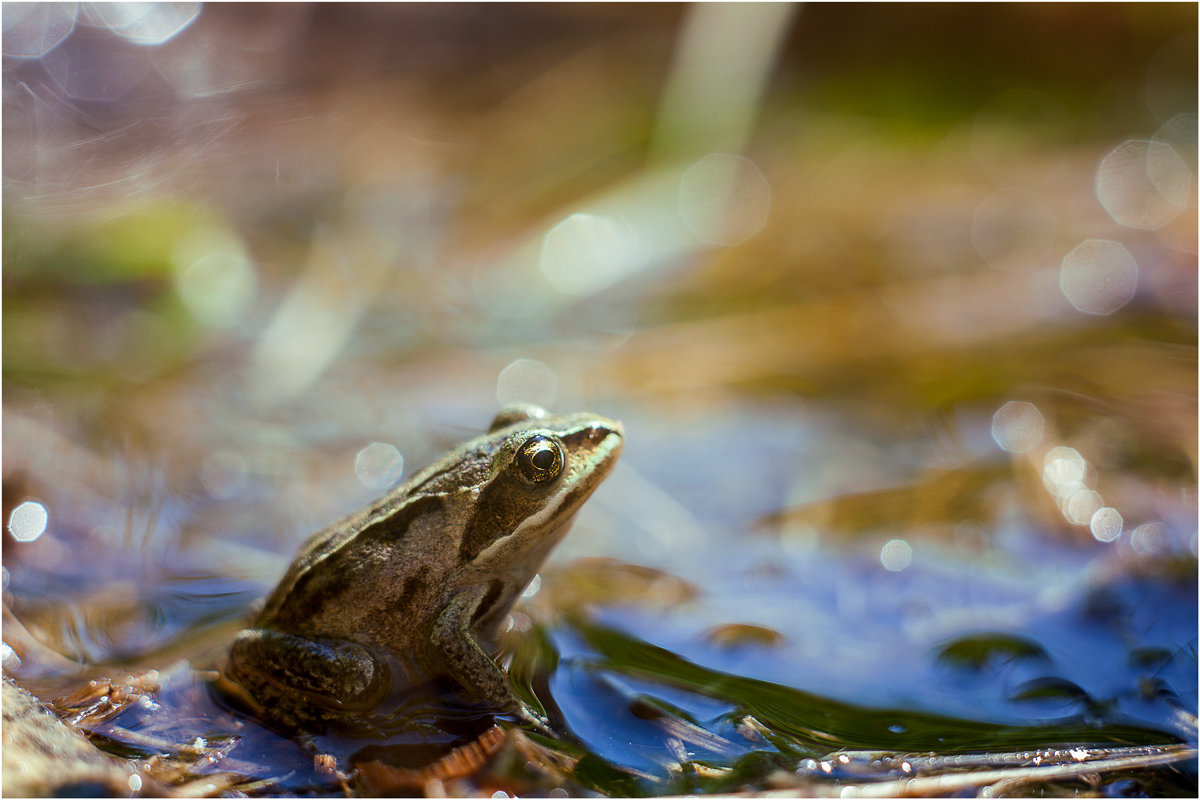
332 674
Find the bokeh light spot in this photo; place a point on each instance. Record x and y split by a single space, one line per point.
1098 277
28 521
378 465
527 381
31 30
1106 524
9 657
1081 506
93 68
1180 134
1013 229
1143 184
724 199
145 23
1063 471
1018 426
244 56
215 276
586 252
1149 538
223 474
896 555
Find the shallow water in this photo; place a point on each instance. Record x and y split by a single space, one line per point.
909 388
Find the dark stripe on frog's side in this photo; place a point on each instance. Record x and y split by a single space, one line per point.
306 595
494 592
495 517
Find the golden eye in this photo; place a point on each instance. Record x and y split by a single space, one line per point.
540 459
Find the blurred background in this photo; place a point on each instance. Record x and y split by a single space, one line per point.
897 304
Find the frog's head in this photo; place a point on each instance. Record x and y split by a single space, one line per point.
541 469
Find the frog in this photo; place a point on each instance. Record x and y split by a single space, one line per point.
417 585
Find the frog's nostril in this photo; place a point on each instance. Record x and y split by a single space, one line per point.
598 431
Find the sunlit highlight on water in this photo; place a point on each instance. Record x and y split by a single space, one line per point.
1143 184
378 465
896 555
1064 472
724 199
1018 426
1099 276
527 381
28 521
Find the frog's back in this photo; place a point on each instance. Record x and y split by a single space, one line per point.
326 568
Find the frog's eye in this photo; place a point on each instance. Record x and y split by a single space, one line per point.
540 459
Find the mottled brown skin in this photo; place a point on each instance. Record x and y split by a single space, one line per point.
416 585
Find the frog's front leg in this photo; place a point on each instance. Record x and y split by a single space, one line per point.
332 674
465 660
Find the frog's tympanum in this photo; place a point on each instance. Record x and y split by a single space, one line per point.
417 585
